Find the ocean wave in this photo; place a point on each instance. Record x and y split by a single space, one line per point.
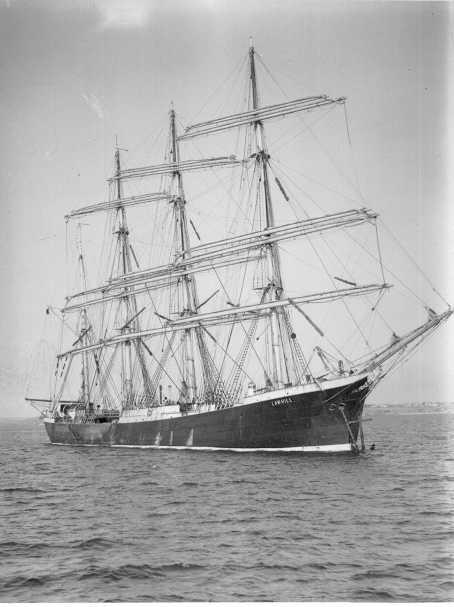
274 566
21 490
134 571
147 598
94 542
95 525
12 548
372 574
24 582
319 566
379 595
18 548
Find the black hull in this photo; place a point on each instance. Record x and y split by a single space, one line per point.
318 420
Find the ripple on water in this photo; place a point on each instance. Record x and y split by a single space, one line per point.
142 525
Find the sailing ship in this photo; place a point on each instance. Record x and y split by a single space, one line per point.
157 362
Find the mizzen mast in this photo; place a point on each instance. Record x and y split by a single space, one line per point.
128 298
84 328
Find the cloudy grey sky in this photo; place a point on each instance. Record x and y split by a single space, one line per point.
75 73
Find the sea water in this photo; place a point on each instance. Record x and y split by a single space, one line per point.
112 524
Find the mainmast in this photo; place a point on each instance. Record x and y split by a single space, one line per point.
190 391
280 348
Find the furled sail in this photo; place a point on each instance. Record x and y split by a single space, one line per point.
111 205
263 113
173 167
235 314
225 252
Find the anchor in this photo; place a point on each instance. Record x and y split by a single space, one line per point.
356 449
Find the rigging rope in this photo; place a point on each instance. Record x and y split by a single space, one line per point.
301 118
369 253
236 70
413 261
328 274
347 128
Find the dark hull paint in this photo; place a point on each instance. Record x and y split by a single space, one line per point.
309 420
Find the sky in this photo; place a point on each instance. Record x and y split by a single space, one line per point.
76 73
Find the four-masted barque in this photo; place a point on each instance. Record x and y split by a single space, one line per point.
155 363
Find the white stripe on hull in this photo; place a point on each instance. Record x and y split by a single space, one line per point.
345 447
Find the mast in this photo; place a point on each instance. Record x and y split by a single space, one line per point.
194 337
130 303
122 234
189 383
278 337
84 328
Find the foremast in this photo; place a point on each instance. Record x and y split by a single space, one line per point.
284 352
